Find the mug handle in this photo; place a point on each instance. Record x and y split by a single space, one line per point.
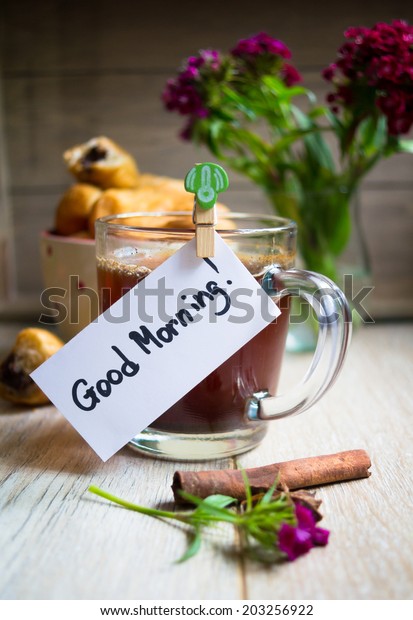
334 319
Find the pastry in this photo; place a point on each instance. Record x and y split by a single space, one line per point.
118 201
33 346
111 185
159 182
168 197
103 163
74 208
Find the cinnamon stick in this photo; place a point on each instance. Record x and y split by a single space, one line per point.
297 474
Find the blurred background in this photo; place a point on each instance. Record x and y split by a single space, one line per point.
72 70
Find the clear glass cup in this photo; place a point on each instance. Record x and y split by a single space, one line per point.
226 413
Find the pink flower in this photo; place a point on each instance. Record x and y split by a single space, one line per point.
205 57
187 131
290 75
297 540
195 91
294 541
320 537
259 44
183 94
189 74
374 70
329 72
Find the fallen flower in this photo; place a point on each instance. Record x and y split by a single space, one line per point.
273 526
298 540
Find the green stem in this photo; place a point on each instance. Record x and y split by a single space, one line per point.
152 512
190 517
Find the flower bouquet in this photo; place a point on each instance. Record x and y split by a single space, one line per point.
249 108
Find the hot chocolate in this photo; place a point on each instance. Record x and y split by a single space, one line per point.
217 403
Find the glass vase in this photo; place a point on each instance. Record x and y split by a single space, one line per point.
349 268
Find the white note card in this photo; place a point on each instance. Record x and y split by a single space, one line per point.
154 344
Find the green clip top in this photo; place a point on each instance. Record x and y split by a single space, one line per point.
206 181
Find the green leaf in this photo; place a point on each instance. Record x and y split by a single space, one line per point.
219 501
317 112
283 91
213 136
282 144
318 153
248 494
372 136
211 508
405 146
241 102
193 547
336 124
266 499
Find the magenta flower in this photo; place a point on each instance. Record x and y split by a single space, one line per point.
261 55
320 537
374 69
328 72
297 540
205 57
245 108
259 44
294 541
195 91
183 94
187 131
290 75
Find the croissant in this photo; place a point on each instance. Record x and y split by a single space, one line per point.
33 346
166 198
153 180
101 162
74 208
111 185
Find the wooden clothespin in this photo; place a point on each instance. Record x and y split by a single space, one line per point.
206 181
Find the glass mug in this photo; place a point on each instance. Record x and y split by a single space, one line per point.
226 413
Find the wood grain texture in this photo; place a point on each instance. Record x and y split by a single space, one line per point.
58 542
369 407
72 70
101 34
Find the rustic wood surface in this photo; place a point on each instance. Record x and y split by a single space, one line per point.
59 542
72 70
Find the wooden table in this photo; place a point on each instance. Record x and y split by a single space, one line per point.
59 542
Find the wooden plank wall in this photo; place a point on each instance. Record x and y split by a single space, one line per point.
72 70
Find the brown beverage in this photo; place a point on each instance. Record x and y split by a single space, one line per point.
217 403
218 418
